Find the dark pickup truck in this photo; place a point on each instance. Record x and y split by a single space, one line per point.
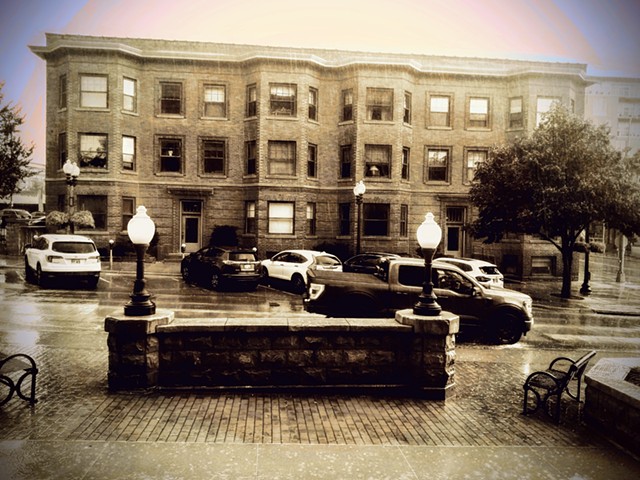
502 314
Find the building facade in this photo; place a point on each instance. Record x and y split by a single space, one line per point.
272 140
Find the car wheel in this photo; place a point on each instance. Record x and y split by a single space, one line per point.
39 278
264 276
214 280
507 329
28 272
360 306
297 283
186 272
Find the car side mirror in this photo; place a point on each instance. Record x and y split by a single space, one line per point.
475 292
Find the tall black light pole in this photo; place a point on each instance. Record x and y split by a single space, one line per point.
586 288
359 191
140 229
72 172
429 235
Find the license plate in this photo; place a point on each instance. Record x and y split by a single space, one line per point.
75 260
247 267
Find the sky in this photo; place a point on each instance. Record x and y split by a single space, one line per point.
604 34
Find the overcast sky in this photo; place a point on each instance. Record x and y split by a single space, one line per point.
604 34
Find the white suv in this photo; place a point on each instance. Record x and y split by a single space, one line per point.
487 274
52 256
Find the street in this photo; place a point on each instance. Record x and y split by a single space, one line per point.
78 429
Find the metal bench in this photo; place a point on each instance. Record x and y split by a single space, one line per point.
17 363
553 382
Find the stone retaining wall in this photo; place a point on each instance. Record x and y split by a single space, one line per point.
413 352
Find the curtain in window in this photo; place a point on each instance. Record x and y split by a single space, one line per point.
281 218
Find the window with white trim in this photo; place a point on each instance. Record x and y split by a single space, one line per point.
251 101
440 111
406 155
250 217
377 160
171 98
213 156
251 157
407 108
93 150
282 157
347 105
129 89
437 165
516 118
281 217
478 114
170 155
543 106
93 91
215 105
375 219
282 99
474 158
312 161
311 218
128 152
313 103
380 104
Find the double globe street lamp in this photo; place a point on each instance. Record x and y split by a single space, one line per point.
429 235
72 172
140 230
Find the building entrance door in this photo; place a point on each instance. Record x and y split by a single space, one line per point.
191 224
454 236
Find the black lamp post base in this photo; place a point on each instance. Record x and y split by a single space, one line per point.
139 307
431 309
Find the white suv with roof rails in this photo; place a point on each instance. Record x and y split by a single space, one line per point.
55 256
486 274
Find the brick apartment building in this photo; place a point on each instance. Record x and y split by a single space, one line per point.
272 141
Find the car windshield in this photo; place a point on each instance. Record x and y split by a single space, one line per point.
242 257
73 247
326 261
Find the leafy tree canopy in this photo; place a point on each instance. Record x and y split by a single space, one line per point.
555 182
14 156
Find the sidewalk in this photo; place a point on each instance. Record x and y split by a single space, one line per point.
78 429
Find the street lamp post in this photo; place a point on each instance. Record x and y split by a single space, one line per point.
140 230
586 288
72 172
429 235
359 191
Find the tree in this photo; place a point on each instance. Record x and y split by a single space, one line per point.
554 183
224 236
14 156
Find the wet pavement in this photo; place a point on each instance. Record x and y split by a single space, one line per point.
78 429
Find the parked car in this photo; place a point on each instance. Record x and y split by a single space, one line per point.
502 315
487 274
366 262
292 265
38 219
57 256
17 214
218 267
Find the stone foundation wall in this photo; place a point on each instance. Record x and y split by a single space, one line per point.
417 354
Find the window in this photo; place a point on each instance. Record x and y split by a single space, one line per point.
406 154
478 113
171 98
377 160
344 214
128 210
313 103
213 156
129 88
347 105
250 151
404 220
283 99
252 101
376 219
474 158
380 104
93 150
543 105
311 218
62 91
282 158
312 161
215 101
128 152
281 217
345 161
250 217
97 205
437 165
93 91
440 111
62 149
170 155
516 119
407 108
